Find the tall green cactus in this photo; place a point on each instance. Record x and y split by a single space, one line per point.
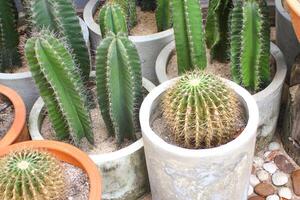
9 37
217 29
112 19
189 36
119 85
163 15
60 17
250 44
60 86
129 8
201 111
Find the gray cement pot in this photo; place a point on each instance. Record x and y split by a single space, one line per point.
124 171
148 46
268 100
219 173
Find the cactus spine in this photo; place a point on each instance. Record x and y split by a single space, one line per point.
60 85
60 16
9 37
129 8
250 45
119 85
31 174
112 19
217 29
201 110
163 15
189 37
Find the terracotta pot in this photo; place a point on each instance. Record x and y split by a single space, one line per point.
294 9
69 154
18 131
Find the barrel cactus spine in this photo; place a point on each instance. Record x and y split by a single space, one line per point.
163 15
129 8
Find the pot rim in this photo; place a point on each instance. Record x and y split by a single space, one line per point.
69 154
282 11
294 5
248 133
19 122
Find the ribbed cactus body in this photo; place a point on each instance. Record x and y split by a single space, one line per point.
250 45
201 111
112 19
60 86
163 15
29 174
9 37
189 36
60 16
129 8
119 85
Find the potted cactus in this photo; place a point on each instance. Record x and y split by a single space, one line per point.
39 170
191 123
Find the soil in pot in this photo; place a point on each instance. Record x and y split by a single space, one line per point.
6 115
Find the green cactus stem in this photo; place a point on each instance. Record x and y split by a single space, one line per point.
129 8
163 15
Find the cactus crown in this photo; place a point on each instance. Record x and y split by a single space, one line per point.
201 111
129 8
31 174
163 15
250 44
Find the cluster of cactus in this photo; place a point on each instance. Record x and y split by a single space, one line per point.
250 44
119 85
217 29
129 8
31 174
163 15
61 87
201 110
60 16
9 37
189 36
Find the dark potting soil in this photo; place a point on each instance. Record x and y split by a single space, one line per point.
6 115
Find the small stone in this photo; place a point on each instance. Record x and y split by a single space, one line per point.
250 190
266 154
258 162
273 197
273 146
270 167
280 179
256 198
262 175
271 156
254 180
296 181
264 189
284 164
285 192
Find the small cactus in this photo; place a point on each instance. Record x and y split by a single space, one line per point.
201 111
189 36
112 19
129 8
9 37
29 174
58 80
250 44
119 85
163 15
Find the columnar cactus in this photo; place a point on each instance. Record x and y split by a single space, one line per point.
60 16
112 19
119 85
250 44
31 174
60 86
9 37
189 36
129 8
201 111
163 15
217 29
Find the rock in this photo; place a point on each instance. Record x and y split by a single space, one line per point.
254 180
270 167
266 154
279 178
264 189
296 181
285 192
271 156
256 198
273 197
258 162
262 175
250 190
284 164
273 146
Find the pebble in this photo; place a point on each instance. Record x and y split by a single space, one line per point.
273 146
264 189
258 162
254 180
256 198
262 175
280 178
266 154
285 192
296 181
273 197
250 190
270 167
284 164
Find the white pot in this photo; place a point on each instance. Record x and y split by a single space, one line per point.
148 46
268 100
124 171
220 173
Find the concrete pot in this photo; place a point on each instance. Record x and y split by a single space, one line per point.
148 46
124 171
182 174
268 100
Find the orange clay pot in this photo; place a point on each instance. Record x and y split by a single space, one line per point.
66 153
294 10
18 131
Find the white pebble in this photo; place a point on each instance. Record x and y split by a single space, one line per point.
285 192
270 167
258 162
273 146
280 179
250 190
272 197
254 180
262 175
